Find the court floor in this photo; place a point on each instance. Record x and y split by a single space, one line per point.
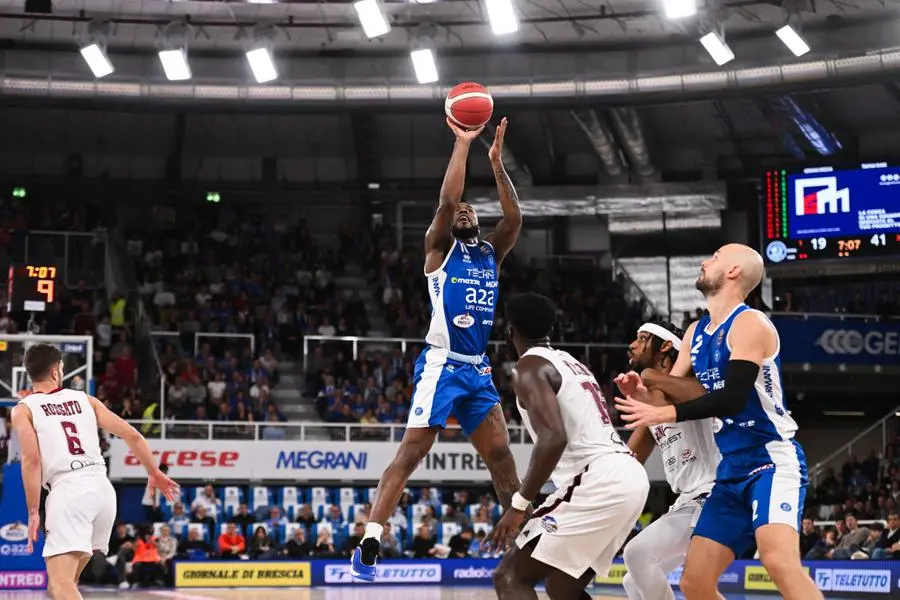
337 593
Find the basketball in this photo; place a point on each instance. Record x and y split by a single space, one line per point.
469 105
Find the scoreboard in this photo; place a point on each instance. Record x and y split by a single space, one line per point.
822 213
31 287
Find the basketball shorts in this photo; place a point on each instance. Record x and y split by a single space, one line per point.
443 386
583 526
80 514
736 508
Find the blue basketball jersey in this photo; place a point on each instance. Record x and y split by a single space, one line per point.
761 436
464 293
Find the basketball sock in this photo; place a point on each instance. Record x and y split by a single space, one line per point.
373 530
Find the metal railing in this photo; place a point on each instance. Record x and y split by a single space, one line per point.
405 343
828 315
295 431
846 451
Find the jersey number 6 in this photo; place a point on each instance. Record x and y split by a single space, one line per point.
71 432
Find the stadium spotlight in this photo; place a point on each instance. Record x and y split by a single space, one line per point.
715 44
213 197
502 16
796 44
259 54
95 56
424 65
679 9
173 52
19 192
372 18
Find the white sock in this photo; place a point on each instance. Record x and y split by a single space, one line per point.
373 530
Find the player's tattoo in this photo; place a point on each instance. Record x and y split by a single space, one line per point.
505 185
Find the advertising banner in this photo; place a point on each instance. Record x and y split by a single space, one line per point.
833 341
18 568
242 574
313 461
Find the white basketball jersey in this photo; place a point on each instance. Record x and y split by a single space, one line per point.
589 430
66 427
689 453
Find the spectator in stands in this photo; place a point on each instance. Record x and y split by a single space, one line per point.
809 536
167 546
121 548
475 549
276 519
334 517
242 518
867 548
194 547
325 544
179 520
262 546
399 520
851 541
151 500
305 516
147 569
207 499
483 518
353 540
390 545
297 546
200 516
452 515
888 546
231 542
423 544
461 542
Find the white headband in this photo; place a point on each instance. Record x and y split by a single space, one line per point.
662 333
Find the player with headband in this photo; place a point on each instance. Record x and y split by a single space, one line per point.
689 455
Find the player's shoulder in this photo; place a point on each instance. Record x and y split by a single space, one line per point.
751 320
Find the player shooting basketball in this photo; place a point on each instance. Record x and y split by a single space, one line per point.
761 480
452 374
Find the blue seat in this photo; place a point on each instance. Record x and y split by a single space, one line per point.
261 498
231 497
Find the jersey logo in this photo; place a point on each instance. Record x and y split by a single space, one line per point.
436 286
463 321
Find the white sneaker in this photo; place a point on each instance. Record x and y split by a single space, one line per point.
124 585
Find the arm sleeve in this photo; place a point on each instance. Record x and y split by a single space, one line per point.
728 401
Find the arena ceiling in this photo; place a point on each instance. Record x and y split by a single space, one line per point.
345 101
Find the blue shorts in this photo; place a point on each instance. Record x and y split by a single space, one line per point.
736 508
442 386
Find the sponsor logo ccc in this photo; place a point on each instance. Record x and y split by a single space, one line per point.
850 341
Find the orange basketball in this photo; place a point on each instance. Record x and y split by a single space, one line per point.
469 105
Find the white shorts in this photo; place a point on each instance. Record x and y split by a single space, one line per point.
80 514
582 526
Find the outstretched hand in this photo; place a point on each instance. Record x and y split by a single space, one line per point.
639 414
630 383
168 487
496 151
505 531
466 135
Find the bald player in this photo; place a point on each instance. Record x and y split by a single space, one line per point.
761 480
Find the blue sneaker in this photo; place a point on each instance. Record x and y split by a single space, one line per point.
364 559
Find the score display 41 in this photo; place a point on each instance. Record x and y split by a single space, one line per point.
831 213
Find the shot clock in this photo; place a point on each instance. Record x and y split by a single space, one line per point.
824 213
31 287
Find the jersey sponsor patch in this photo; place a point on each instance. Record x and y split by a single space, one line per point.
463 321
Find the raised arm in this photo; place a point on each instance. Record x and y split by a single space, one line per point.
114 424
505 234
438 236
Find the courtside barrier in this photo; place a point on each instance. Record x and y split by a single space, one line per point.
865 579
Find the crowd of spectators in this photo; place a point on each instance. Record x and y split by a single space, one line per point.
865 491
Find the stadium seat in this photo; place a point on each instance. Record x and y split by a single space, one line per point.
318 500
487 528
290 499
288 531
346 498
157 529
265 526
262 497
448 530
232 496
369 494
354 511
418 513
